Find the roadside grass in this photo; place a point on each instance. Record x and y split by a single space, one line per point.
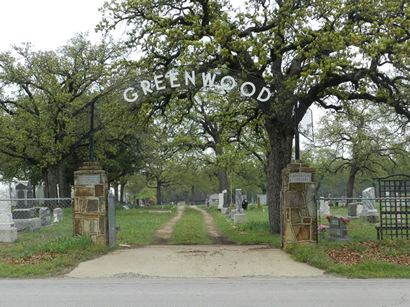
48 251
137 226
361 257
254 231
190 229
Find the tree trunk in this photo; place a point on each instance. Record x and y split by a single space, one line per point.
350 182
278 156
63 181
223 180
159 196
116 192
123 183
56 182
192 195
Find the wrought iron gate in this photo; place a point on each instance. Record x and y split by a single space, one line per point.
394 197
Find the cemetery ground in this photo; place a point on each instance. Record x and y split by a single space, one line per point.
53 251
363 256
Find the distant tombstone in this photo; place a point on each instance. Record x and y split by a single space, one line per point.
238 200
225 196
45 216
57 215
324 207
24 215
369 210
368 199
220 201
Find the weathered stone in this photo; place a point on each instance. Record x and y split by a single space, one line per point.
90 214
84 191
239 218
99 190
45 216
28 224
58 215
8 235
92 205
8 232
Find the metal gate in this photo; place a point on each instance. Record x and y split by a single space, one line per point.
394 195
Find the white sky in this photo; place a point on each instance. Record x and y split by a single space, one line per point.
47 24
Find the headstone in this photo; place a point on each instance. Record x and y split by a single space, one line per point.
220 201
324 207
24 215
8 232
58 215
45 216
261 199
238 200
225 197
238 215
337 229
28 224
369 211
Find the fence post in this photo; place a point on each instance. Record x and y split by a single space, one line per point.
112 226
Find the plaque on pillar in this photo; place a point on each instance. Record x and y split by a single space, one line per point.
90 202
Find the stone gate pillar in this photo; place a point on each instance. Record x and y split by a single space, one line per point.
299 216
90 202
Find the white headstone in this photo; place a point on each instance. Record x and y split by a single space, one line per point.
368 201
8 232
221 201
324 207
57 215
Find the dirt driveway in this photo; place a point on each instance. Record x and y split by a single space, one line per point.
220 261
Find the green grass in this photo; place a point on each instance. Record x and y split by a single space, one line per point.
138 225
49 251
190 229
363 242
254 231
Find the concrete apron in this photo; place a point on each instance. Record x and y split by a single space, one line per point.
207 261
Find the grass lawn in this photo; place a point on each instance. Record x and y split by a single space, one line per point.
46 252
361 257
190 229
254 231
138 225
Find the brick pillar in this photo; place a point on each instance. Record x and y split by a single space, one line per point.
299 216
90 202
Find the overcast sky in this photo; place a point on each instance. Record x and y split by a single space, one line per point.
47 24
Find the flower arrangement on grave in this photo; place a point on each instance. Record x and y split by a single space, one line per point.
322 228
344 220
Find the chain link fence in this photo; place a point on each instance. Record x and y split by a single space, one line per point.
34 215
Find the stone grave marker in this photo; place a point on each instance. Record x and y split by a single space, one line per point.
324 208
369 211
8 232
24 215
45 216
58 214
